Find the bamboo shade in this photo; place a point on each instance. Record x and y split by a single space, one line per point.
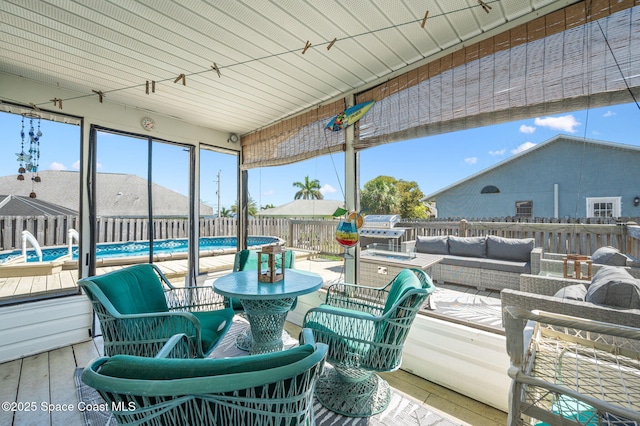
556 63
564 71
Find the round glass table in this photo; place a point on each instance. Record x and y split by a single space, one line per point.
267 304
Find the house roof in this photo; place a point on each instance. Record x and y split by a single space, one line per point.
119 194
304 208
16 205
527 152
275 59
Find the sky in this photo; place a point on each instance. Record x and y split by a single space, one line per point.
434 162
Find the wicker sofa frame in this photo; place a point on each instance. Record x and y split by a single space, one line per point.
545 263
475 275
567 370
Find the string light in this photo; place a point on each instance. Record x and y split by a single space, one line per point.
216 68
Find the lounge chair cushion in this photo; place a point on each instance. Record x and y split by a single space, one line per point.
134 290
468 246
515 249
405 281
142 368
213 326
609 256
614 286
432 245
572 292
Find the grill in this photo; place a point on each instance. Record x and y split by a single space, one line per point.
379 229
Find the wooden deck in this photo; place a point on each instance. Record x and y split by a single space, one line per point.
42 385
64 282
47 378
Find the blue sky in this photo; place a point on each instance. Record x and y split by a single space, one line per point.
433 162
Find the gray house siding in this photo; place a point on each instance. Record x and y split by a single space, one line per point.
580 168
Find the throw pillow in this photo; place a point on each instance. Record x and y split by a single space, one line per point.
572 292
468 246
609 256
515 249
432 245
613 286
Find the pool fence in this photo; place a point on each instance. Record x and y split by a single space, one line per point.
559 236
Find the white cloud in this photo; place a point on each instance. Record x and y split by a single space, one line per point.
471 160
327 189
609 114
566 123
269 192
523 147
527 129
57 166
498 152
76 165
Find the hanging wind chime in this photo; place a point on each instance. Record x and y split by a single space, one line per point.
29 161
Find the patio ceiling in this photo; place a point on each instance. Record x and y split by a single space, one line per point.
115 47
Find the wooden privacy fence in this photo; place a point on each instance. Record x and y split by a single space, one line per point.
318 235
579 238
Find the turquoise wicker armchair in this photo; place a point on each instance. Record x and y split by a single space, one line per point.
256 390
247 260
365 328
138 315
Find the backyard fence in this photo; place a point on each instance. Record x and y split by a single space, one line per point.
318 235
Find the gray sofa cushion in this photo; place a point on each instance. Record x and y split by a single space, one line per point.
468 246
572 292
469 262
516 249
513 266
613 286
432 245
609 256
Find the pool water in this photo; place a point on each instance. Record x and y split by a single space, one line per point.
138 248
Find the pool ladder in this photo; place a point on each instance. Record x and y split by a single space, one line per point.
72 235
28 236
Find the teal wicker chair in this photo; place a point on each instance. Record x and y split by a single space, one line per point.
255 390
139 310
247 260
365 328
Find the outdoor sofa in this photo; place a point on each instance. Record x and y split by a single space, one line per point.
574 346
486 262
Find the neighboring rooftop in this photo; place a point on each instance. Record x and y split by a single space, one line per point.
308 209
17 205
122 195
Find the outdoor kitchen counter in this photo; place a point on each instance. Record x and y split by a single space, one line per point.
378 269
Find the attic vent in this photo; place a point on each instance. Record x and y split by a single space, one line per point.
490 189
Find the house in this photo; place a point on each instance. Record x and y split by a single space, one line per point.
563 177
119 194
304 209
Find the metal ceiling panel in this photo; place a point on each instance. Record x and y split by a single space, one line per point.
115 46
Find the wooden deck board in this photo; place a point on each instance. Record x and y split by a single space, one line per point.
9 287
10 377
33 389
61 363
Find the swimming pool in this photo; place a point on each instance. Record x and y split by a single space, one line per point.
139 248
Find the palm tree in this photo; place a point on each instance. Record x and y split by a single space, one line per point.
309 190
224 212
252 207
